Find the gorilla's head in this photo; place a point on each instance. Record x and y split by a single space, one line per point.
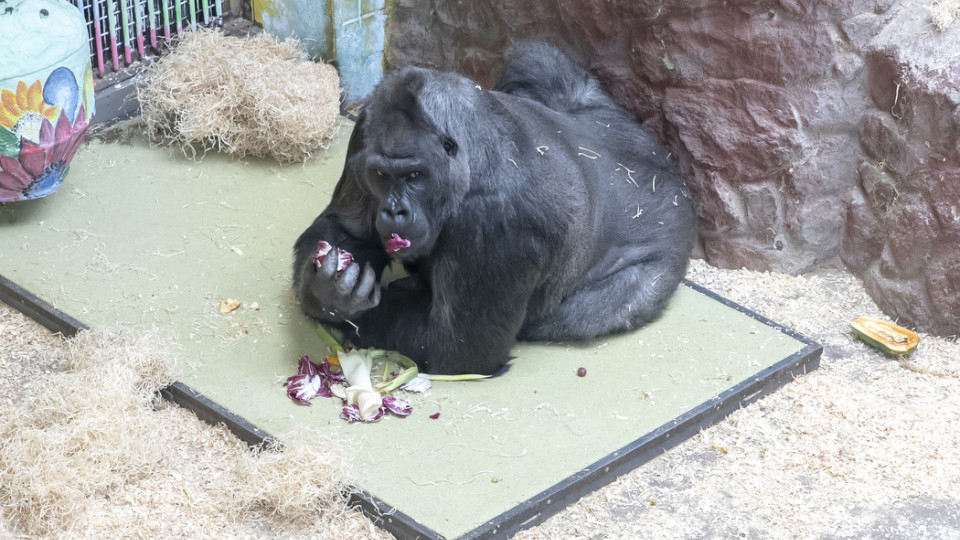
414 160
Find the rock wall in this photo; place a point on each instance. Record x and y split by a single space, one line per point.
813 133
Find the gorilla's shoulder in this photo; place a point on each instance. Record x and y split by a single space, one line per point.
543 73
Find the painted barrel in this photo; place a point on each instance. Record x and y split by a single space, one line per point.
46 94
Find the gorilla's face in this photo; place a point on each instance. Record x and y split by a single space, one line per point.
407 170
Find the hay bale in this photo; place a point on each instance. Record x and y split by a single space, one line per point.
244 96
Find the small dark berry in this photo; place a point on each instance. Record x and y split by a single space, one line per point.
582 372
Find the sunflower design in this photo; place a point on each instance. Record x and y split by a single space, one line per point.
40 167
23 111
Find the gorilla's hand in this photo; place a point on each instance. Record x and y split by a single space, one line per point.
334 296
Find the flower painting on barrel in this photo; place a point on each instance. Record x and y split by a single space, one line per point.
44 113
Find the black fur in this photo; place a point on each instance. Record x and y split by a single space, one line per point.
539 210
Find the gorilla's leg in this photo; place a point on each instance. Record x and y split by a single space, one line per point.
621 301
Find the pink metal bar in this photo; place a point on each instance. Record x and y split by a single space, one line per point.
152 22
112 25
97 35
166 20
140 19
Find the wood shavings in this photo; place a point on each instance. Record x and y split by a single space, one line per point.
630 172
592 155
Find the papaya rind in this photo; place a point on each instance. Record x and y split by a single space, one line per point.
861 328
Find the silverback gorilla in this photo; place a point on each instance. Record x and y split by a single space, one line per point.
539 210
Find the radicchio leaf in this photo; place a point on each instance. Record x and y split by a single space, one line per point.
312 380
397 406
301 388
323 248
395 243
305 384
328 375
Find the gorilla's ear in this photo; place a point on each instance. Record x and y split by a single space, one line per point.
450 146
356 137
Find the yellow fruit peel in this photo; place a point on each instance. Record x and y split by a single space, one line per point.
885 336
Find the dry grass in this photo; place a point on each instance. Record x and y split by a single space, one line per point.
943 13
91 452
67 444
240 95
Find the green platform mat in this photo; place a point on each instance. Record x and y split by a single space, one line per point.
140 236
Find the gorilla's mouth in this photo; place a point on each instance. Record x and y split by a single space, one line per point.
395 243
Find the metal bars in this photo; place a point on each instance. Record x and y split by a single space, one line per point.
124 31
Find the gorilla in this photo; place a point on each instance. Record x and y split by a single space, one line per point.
539 210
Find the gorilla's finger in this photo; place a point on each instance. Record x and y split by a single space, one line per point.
348 279
311 282
375 297
367 281
329 266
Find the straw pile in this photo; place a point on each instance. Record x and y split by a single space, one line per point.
92 452
83 432
943 13
243 96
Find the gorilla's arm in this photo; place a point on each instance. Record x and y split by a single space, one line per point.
466 322
346 223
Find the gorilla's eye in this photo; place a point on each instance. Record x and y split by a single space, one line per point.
379 172
449 146
414 174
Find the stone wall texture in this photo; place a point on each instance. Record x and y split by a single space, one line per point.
812 133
